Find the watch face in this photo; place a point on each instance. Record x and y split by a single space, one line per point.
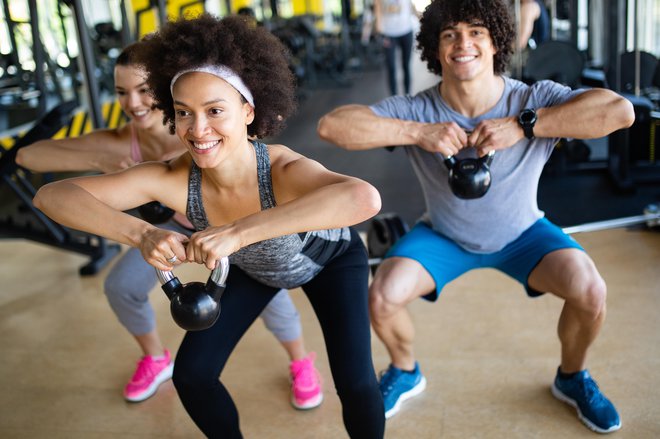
527 119
527 116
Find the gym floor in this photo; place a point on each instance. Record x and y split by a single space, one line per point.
488 352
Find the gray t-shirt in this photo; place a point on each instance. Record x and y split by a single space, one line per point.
487 224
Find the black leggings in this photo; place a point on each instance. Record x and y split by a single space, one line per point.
338 295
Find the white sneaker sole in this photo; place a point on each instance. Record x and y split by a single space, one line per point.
419 388
309 404
163 376
562 397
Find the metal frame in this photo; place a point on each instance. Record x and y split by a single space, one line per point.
89 67
12 39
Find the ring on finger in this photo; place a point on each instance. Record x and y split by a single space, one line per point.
172 260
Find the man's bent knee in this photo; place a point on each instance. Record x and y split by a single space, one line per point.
380 304
397 282
593 297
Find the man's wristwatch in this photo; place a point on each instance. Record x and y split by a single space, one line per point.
527 119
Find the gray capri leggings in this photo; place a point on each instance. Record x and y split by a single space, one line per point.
131 279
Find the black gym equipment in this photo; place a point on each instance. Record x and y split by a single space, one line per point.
559 61
26 92
316 53
39 55
384 230
45 230
632 152
107 44
155 212
636 70
195 305
469 178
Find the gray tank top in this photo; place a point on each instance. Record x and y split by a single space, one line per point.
283 262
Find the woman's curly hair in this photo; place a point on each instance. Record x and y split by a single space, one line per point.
494 14
256 56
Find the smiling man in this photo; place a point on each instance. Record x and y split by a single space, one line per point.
473 111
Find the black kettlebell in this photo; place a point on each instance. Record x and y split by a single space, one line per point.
469 178
195 305
155 212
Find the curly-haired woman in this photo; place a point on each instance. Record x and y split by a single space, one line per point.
282 218
131 279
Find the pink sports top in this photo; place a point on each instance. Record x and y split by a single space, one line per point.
136 153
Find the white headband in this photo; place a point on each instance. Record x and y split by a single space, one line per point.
222 72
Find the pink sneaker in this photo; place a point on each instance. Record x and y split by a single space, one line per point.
306 392
148 376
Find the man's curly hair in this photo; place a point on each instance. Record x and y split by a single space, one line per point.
256 56
494 14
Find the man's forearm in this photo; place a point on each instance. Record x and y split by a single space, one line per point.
356 127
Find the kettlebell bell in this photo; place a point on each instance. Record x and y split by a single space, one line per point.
155 212
469 178
195 305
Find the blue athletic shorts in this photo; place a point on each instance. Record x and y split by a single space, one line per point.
445 260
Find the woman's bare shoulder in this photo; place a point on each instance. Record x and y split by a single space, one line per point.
281 155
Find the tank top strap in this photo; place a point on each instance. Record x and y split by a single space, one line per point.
263 174
136 153
194 207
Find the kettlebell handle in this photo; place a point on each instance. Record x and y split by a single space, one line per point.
450 161
488 158
218 275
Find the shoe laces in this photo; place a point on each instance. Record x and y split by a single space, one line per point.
144 371
303 372
590 389
387 378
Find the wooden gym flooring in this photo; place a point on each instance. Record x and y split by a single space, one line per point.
488 352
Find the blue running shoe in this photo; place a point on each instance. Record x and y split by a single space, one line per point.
397 386
593 408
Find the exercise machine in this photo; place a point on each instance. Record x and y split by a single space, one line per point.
28 222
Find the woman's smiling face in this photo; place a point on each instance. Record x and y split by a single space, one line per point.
211 117
134 98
